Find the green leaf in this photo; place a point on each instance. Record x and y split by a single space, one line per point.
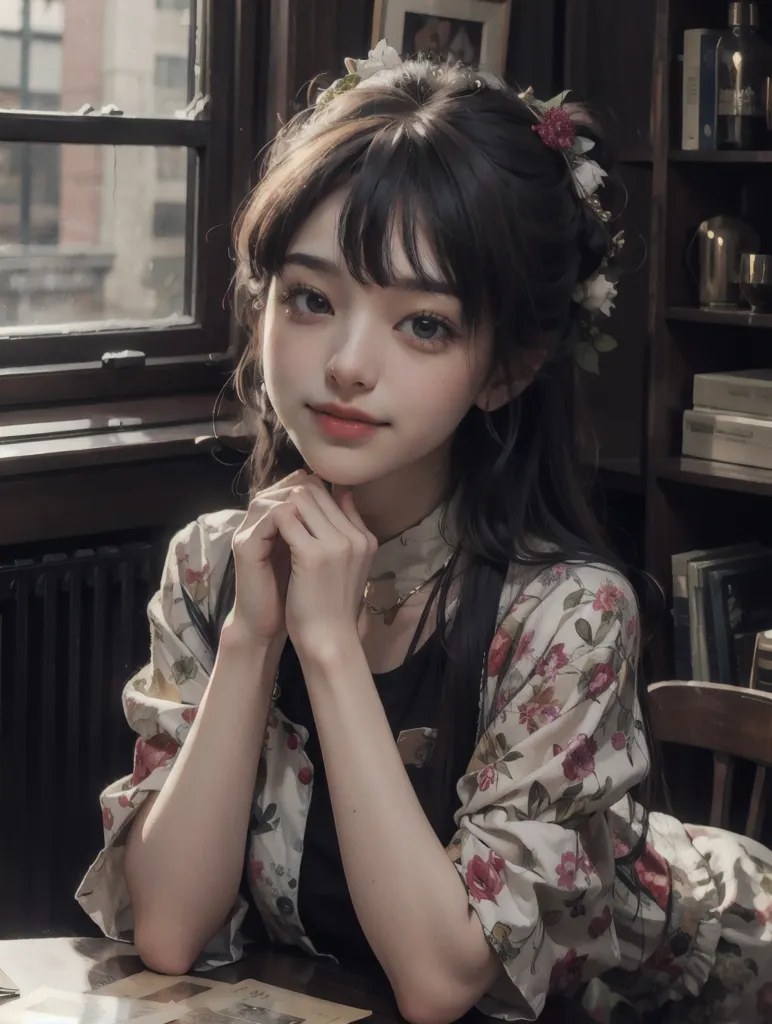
505 769
603 631
552 917
502 743
584 629
538 799
573 600
557 101
586 357
624 719
604 343
513 755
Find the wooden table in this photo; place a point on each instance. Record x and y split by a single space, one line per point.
80 965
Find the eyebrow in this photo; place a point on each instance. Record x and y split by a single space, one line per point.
331 269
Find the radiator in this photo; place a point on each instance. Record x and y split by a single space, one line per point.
73 628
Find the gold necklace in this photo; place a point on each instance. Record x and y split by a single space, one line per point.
389 613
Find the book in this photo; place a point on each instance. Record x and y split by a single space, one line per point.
685 616
747 392
728 437
761 671
739 596
699 101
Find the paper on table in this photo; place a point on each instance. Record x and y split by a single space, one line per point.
7 987
47 1005
159 988
258 1003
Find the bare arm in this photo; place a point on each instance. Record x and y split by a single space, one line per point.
185 851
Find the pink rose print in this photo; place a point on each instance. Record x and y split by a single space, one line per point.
654 875
619 741
566 871
540 710
607 598
567 972
483 877
602 677
764 916
553 661
764 1002
192 576
292 741
556 749
600 925
158 752
256 868
107 818
497 655
585 865
579 761
524 647
124 801
486 778
189 715
632 627
305 775
621 849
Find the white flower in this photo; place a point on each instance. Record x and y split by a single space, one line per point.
588 177
596 294
382 58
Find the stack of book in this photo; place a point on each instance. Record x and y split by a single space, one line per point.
732 418
722 600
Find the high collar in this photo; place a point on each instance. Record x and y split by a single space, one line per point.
415 555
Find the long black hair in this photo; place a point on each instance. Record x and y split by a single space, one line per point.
443 150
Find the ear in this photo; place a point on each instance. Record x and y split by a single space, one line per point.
498 391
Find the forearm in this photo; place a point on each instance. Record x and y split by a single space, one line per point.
409 898
185 856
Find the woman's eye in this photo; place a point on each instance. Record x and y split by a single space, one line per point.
307 302
426 328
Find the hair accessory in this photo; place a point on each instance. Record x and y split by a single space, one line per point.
557 129
382 58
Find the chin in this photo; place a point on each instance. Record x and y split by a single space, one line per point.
343 466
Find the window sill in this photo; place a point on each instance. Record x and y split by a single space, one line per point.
39 441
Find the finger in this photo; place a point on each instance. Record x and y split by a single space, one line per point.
316 521
278 492
333 512
348 507
292 529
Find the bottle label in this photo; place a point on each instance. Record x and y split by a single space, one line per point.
739 103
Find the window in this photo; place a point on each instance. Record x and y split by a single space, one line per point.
115 222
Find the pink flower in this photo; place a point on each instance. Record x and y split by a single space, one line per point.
304 776
654 875
552 662
556 749
124 801
256 868
602 677
483 878
192 576
486 778
585 865
567 973
621 849
619 741
189 715
566 871
292 741
600 925
107 818
149 755
557 130
540 710
579 761
607 598
632 627
764 917
524 647
499 649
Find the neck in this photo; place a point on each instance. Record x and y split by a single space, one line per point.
394 503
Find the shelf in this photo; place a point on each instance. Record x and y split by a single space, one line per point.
723 476
720 156
726 317
635 157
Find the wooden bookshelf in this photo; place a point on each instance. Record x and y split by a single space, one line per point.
720 157
724 317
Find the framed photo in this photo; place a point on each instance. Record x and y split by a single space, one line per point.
474 32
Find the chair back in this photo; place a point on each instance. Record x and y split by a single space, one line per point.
732 721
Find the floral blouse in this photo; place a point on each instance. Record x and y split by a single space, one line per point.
544 807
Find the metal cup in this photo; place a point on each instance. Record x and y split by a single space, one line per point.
756 281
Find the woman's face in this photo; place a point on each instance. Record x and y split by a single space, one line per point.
367 381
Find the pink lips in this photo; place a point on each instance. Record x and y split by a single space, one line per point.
345 424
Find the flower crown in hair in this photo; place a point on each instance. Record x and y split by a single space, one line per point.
557 129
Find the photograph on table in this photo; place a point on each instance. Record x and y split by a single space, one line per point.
473 32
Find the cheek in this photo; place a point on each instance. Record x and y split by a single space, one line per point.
439 396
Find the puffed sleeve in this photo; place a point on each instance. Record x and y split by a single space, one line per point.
563 742
160 703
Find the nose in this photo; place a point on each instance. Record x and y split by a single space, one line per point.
352 367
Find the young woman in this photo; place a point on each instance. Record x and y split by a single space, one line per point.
405 681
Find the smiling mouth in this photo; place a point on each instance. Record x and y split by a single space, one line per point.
345 424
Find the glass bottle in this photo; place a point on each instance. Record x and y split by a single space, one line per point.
743 64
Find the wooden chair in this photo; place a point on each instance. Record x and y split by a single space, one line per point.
734 722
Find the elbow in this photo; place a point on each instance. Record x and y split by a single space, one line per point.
163 954
424 1006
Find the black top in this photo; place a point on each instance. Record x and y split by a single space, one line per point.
410 697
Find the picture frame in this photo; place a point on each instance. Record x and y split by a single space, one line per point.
474 32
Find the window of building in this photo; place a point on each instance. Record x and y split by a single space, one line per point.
114 227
